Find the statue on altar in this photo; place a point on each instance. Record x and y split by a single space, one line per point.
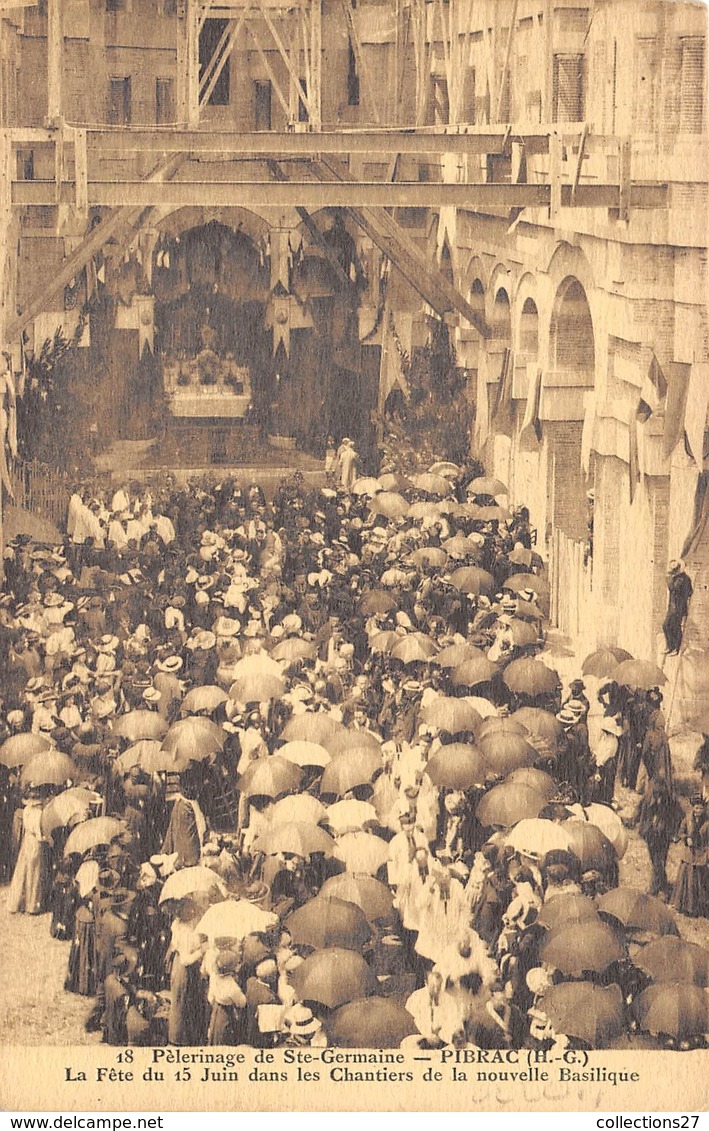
208 362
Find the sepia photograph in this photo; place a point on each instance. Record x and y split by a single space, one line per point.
354 528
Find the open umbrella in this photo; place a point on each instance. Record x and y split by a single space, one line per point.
567 911
270 777
456 654
485 485
504 751
672 1009
205 698
374 897
523 632
589 845
327 921
516 582
640 675
580 1009
383 642
345 772
297 838
349 816
610 824
354 740
67 806
425 508
294 649
257 664
638 911
372 1022
376 601
140 724
361 852
194 739
453 715
302 808
389 504
49 767
498 724
531 677
670 959
488 513
584 948
472 579
311 726
461 547
535 837
89 834
432 484
367 485
258 687
508 803
415 648
545 731
304 754
155 759
538 780
235 919
429 556
457 766
445 467
333 977
187 881
394 481
604 662
18 749
473 672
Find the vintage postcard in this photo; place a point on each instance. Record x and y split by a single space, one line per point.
354 707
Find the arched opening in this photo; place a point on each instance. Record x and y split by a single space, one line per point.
529 330
572 352
501 322
447 262
477 297
572 337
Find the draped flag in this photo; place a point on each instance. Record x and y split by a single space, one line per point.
531 431
678 374
502 421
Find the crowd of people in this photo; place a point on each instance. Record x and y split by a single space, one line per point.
295 772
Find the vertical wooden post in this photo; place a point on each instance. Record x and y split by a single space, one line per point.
555 163
192 65
55 59
315 92
624 171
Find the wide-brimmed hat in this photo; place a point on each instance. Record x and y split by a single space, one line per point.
205 581
567 717
170 664
201 641
299 1019
108 643
152 695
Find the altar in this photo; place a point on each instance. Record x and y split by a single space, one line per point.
207 386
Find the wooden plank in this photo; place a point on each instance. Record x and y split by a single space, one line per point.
81 172
624 195
579 160
424 141
55 59
495 197
506 63
362 67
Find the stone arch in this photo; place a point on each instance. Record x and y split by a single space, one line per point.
572 344
244 220
500 320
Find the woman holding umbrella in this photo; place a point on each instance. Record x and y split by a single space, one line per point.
187 1022
691 893
30 880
